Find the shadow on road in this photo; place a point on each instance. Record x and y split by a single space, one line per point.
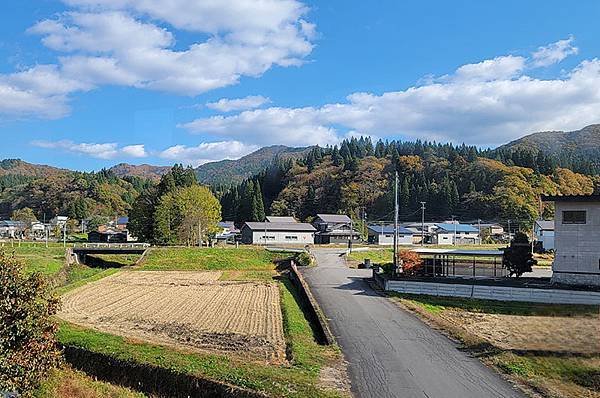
359 285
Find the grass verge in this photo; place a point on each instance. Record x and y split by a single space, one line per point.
69 383
209 259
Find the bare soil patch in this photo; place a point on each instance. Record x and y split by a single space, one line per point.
560 334
191 310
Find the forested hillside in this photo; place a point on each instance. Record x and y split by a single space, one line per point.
50 191
357 177
227 172
576 150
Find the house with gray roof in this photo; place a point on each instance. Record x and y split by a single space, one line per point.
454 234
265 233
281 219
543 230
383 235
334 228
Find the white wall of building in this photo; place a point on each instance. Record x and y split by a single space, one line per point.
577 246
278 237
388 239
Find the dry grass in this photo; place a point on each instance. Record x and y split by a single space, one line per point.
190 310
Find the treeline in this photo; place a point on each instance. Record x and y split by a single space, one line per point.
79 195
585 163
356 178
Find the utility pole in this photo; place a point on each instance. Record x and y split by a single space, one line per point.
265 231
423 223
454 238
65 234
509 234
396 222
479 228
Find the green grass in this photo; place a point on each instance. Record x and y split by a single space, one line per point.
209 259
47 260
573 374
69 383
298 379
436 304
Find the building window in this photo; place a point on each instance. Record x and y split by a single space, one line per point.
574 217
291 238
268 237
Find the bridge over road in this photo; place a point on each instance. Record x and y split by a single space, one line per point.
391 353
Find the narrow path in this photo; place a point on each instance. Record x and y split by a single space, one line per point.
390 352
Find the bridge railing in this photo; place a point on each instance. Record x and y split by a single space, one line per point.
99 245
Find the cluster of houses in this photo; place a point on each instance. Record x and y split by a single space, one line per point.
12 229
339 228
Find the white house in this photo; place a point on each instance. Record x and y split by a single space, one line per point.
384 235
454 234
59 220
228 231
11 229
261 233
543 230
576 239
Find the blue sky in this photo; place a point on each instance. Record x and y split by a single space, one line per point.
86 84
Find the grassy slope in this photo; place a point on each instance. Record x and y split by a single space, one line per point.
551 375
299 379
47 260
68 383
244 263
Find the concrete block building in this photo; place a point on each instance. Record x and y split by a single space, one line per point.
266 233
576 239
384 235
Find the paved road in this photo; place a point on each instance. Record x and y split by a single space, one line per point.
390 352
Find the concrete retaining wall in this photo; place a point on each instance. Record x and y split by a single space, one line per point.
503 293
314 311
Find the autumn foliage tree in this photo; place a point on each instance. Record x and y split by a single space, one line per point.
411 262
27 346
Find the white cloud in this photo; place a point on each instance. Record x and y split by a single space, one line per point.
554 53
100 151
207 152
299 126
132 43
483 104
135 151
505 67
238 104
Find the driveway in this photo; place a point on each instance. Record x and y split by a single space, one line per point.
390 352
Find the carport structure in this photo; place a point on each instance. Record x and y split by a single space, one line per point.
462 262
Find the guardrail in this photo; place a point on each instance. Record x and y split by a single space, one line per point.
111 246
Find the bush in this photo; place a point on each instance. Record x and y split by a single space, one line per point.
304 259
411 262
28 349
518 258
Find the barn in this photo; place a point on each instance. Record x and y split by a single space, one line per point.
262 233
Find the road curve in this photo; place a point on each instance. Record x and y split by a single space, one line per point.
390 352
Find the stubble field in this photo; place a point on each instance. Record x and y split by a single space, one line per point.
186 309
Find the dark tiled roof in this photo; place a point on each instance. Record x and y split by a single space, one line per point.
334 218
389 229
281 226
